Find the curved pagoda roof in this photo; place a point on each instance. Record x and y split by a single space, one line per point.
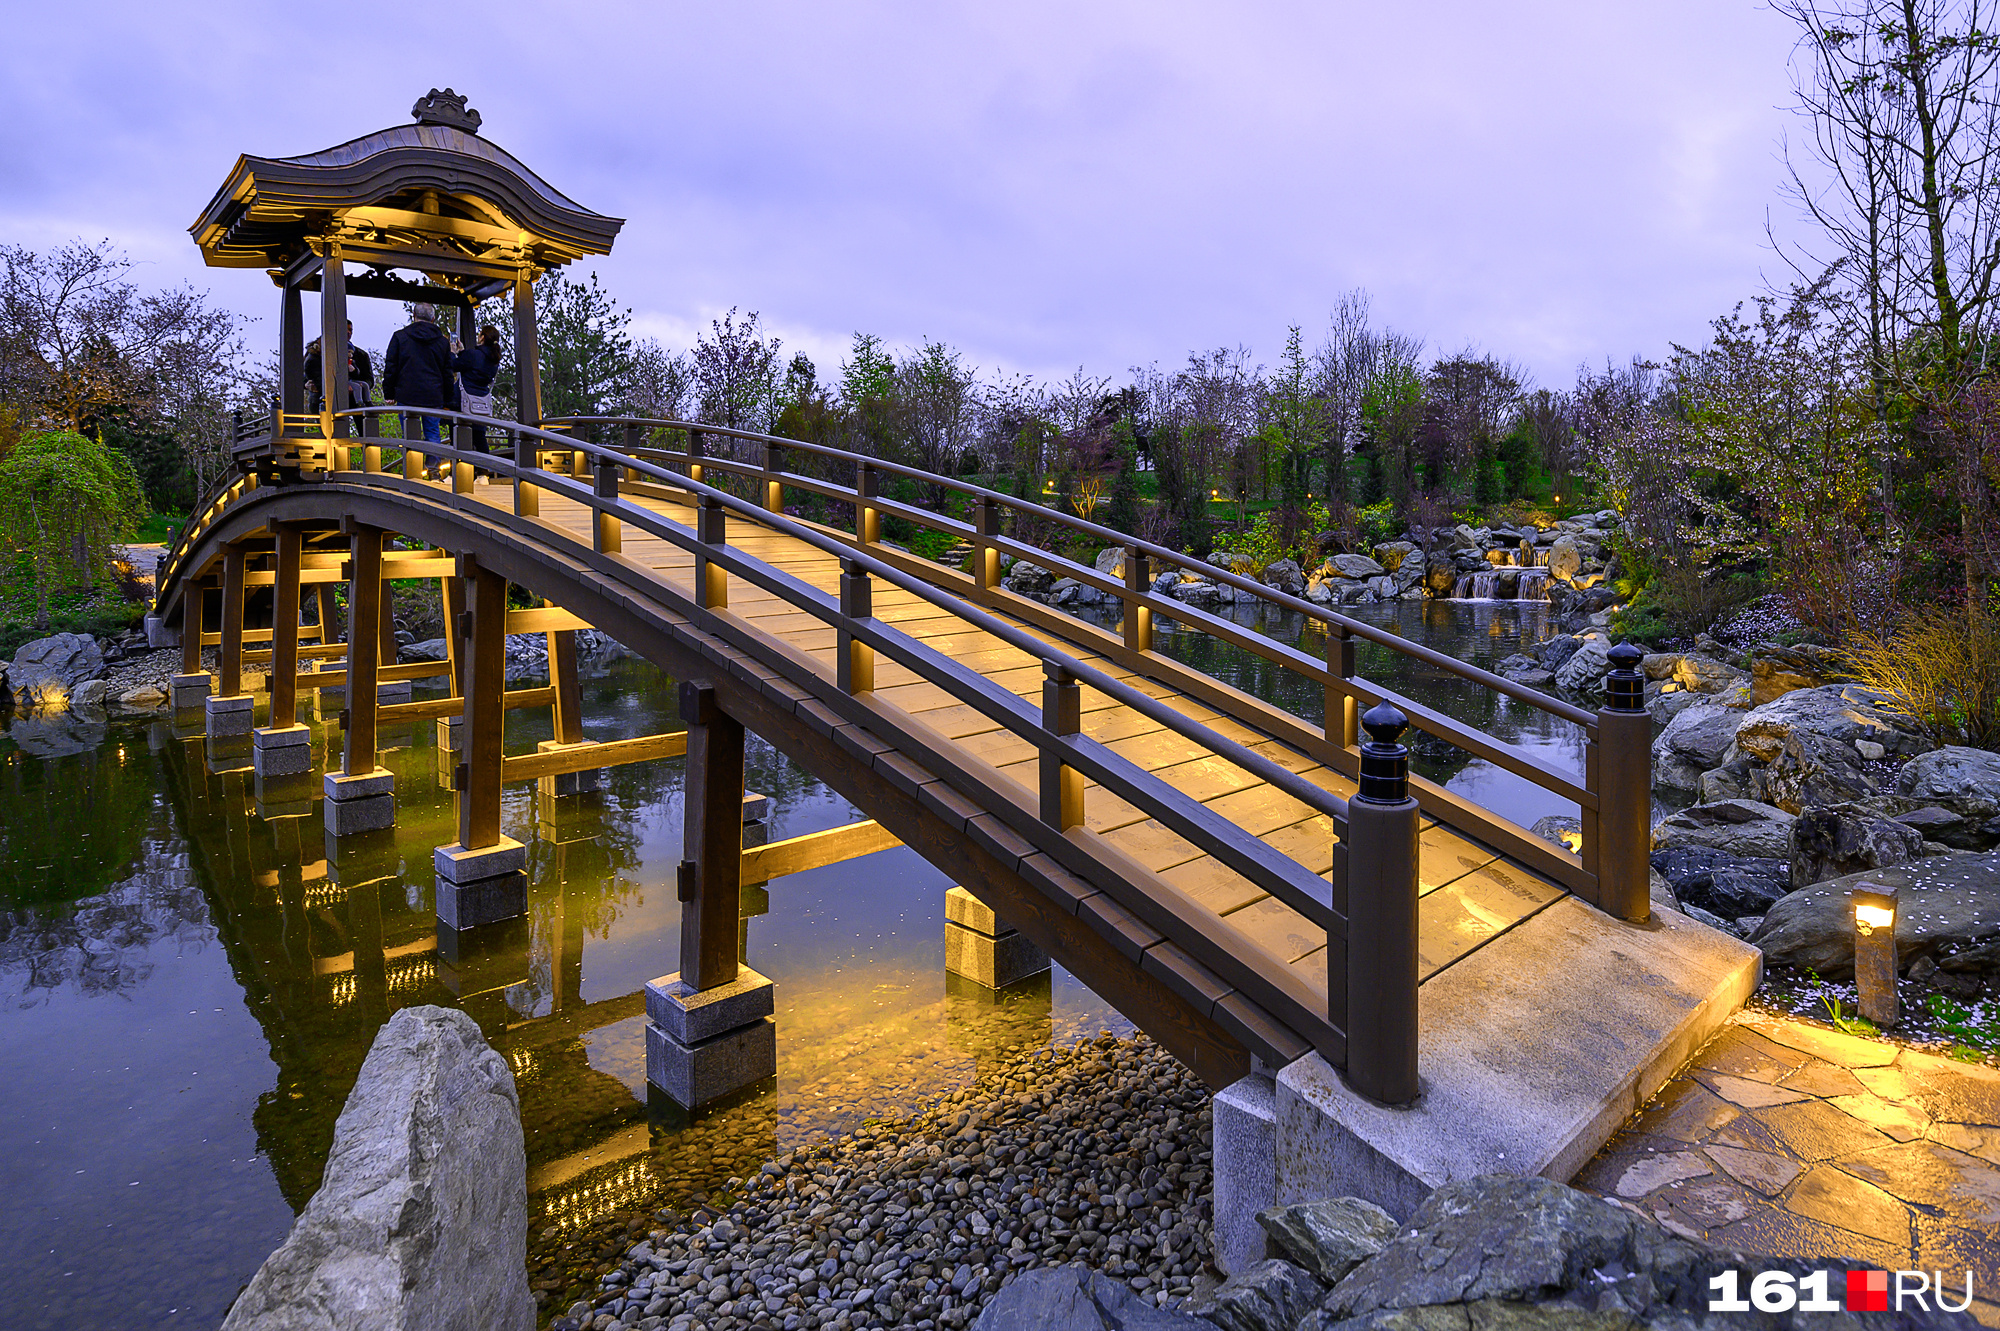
432 196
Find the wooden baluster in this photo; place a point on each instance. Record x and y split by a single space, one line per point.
608 530
711 583
371 452
695 447
985 554
1062 715
774 467
855 660
867 518
527 497
1138 625
1380 1015
1343 709
711 869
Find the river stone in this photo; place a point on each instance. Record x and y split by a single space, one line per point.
1843 712
1966 781
1329 1238
1271 1296
1286 577
45 672
90 693
1739 827
1076 1298
145 698
1811 769
1198 593
1845 838
1585 669
420 1222
1948 909
1555 651
1356 566
1320 591
1950 828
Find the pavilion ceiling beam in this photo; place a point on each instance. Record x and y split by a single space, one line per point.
370 217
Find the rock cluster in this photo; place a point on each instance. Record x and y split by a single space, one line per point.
53 673
1492 1252
1098 1154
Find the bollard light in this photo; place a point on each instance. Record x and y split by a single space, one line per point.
1875 951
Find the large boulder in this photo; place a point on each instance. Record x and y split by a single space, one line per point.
1737 827
420 1222
1842 839
1440 575
1329 1238
1392 555
1698 739
45 672
1966 781
1286 577
1234 562
1776 671
1565 558
1729 887
1497 1253
1702 674
1356 566
1111 561
1076 1298
1028 579
1844 712
1947 909
1811 769
1586 667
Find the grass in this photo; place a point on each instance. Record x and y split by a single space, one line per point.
154 530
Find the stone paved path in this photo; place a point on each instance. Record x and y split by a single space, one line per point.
1788 1138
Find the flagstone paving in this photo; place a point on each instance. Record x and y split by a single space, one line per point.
1787 1138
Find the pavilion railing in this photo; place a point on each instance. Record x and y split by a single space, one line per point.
1371 970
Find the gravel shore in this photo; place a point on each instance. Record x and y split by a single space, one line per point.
1096 1153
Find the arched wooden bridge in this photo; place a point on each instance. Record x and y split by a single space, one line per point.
1193 853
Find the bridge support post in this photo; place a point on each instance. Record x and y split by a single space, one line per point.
361 796
190 688
229 712
481 877
867 517
709 1030
608 532
567 715
981 947
284 747
1618 834
774 489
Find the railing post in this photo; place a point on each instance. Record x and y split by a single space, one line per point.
528 457
1343 709
1617 836
1381 943
867 518
1138 618
632 436
985 554
711 583
855 668
609 531
774 467
371 450
1062 715
695 452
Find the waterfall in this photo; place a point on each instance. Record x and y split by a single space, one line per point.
1476 586
1534 583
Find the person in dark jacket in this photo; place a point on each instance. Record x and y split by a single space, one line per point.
417 371
360 374
477 365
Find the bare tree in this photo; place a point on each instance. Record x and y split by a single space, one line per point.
735 373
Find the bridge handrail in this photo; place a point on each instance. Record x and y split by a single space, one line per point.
1269 869
1358 628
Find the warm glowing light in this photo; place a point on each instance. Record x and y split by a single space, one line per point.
1874 917
1574 840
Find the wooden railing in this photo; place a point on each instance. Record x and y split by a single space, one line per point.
1375 968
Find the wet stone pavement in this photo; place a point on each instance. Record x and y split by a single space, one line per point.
1787 1138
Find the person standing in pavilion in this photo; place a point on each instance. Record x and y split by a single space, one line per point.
477 366
417 370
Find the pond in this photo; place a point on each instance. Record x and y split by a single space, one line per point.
191 973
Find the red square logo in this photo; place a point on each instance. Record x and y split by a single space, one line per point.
1868 1291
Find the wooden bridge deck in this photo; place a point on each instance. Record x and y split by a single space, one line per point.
1469 894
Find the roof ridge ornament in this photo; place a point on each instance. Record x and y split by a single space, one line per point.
446 108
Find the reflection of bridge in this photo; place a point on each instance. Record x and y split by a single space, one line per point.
1203 859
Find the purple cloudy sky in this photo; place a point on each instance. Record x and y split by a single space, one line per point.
1042 185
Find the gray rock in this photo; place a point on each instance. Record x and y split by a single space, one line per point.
1664 707
90 693
1164 583
1586 667
1440 575
1701 674
1394 555
1320 592
1701 735
1356 566
1286 577
1729 886
1234 561
1846 713
1028 579
420 1222
1329 1238
1966 781
1950 828
1731 781
1948 909
45 672
1197 593
1845 838
1555 651
1811 769
1111 561
1739 827
1556 827
1565 558
1659 665
1075 1298
1270 1296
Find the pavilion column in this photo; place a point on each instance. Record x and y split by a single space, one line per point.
284 747
527 353
229 711
292 350
709 1030
361 797
333 335
481 878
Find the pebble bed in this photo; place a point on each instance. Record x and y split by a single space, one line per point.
1096 1153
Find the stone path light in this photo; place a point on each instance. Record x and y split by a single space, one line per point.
1875 951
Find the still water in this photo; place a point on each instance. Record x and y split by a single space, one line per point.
191 973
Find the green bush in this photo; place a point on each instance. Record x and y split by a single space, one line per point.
1378 522
64 499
